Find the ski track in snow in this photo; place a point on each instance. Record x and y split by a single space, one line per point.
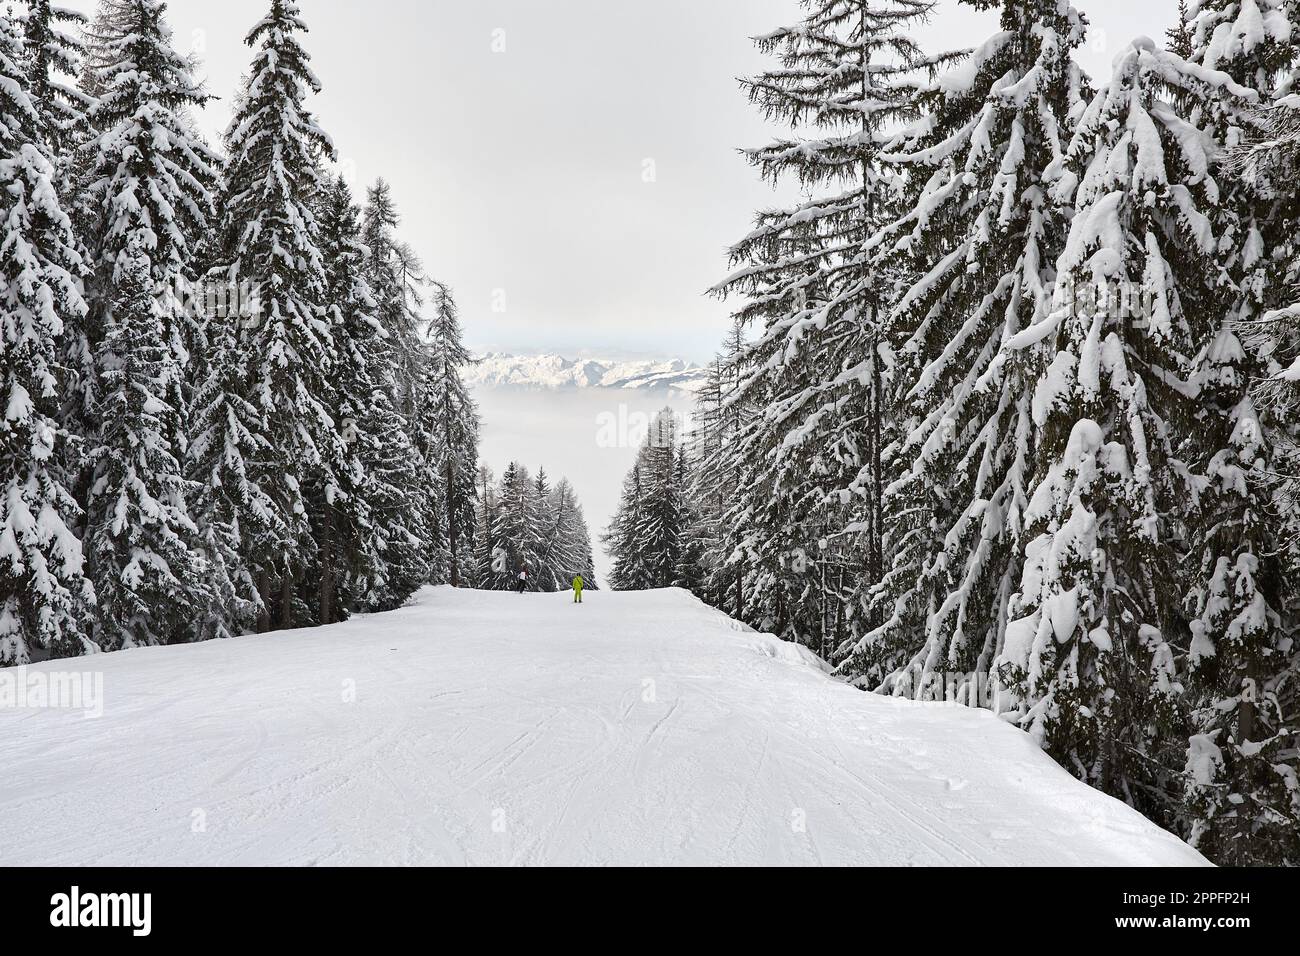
504 729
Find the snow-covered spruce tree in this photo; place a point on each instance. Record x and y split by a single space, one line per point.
703 490
396 279
976 244
1271 164
54 54
376 532
1178 38
44 595
148 570
647 534
565 548
812 452
1262 775
1274 160
629 572
399 490
544 577
449 428
144 170
269 240
1253 41
771 527
53 58
146 192
229 436
230 439
348 533
485 522
715 481
1090 652
397 282
575 533
517 530
111 22
1243 769
690 572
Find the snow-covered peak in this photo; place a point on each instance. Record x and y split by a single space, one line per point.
498 370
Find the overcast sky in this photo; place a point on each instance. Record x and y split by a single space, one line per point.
519 136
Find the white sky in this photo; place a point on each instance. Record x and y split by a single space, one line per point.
522 171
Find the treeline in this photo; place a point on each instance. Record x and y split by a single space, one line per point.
224 408
527 524
1012 393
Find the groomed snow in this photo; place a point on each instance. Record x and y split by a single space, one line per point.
506 729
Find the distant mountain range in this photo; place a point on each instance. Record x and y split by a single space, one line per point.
553 372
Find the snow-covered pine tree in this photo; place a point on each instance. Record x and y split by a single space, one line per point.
388 519
590 581
1271 164
112 21
629 570
148 569
565 549
1252 41
1090 650
715 481
690 571
485 520
269 240
146 192
145 171
813 374
53 58
647 534
54 53
396 279
543 574
397 282
787 480
1243 769
230 442
44 595
399 489
449 428
344 522
517 530
976 244
577 554
1178 38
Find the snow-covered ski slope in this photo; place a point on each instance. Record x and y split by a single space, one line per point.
476 728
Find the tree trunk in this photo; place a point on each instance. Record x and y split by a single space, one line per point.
876 554
264 592
453 531
1246 715
286 600
327 566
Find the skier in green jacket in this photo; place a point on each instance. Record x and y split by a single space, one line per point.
577 589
